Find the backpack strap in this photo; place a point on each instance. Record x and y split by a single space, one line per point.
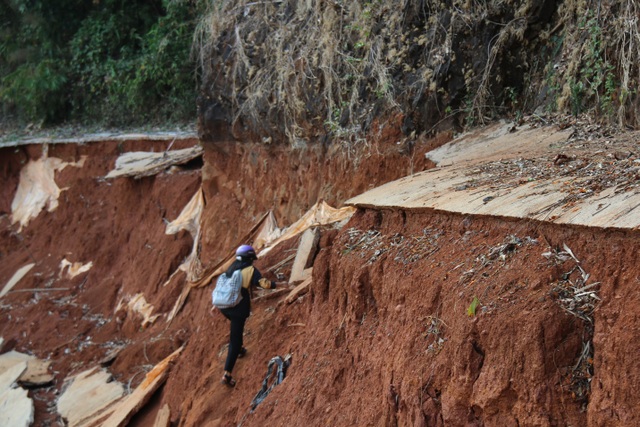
247 274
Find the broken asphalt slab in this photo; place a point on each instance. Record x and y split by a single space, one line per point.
16 408
36 372
516 174
139 164
101 137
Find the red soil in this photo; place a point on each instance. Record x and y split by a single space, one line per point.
383 337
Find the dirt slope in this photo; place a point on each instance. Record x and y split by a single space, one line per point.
119 225
400 346
385 337
387 334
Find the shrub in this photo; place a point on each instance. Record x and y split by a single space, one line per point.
104 61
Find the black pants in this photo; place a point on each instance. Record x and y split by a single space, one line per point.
235 338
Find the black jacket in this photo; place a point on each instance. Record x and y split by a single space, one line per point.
243 309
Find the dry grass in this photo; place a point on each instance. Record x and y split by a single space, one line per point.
577 297
309 63
626 42
315 67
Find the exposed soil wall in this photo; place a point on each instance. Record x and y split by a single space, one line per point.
399 347
387 334
242 181
118 225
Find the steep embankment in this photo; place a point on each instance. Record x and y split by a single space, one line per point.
412 318
242 181
388 338
385 336
119 226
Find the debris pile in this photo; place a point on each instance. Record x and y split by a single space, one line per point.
371 245
571 291
584 172
575 295
500 252
19 372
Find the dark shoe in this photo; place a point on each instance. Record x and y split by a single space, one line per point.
228 380
242 353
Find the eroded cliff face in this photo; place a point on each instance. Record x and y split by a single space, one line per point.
386 336
390 339
389 333
412 317
243 180
118 225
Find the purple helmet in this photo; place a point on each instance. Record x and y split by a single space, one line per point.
246 251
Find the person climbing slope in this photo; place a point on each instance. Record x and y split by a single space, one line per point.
238 314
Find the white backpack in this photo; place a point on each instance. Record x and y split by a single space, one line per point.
227 292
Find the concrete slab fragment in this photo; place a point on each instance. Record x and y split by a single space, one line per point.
189 220
22 271
140 396
87 394
101 137
308 244
163 419
267 232
498 141
37 189
319 214
529 176
37 371
16 408
74 269
139 164
10 376
138 305
298 291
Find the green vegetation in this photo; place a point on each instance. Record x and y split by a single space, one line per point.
107 61
596 69
295 70
595 78
471 310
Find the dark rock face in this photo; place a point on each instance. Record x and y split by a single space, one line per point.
213 119
287 71
323 70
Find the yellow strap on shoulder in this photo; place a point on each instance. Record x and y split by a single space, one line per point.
247 273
